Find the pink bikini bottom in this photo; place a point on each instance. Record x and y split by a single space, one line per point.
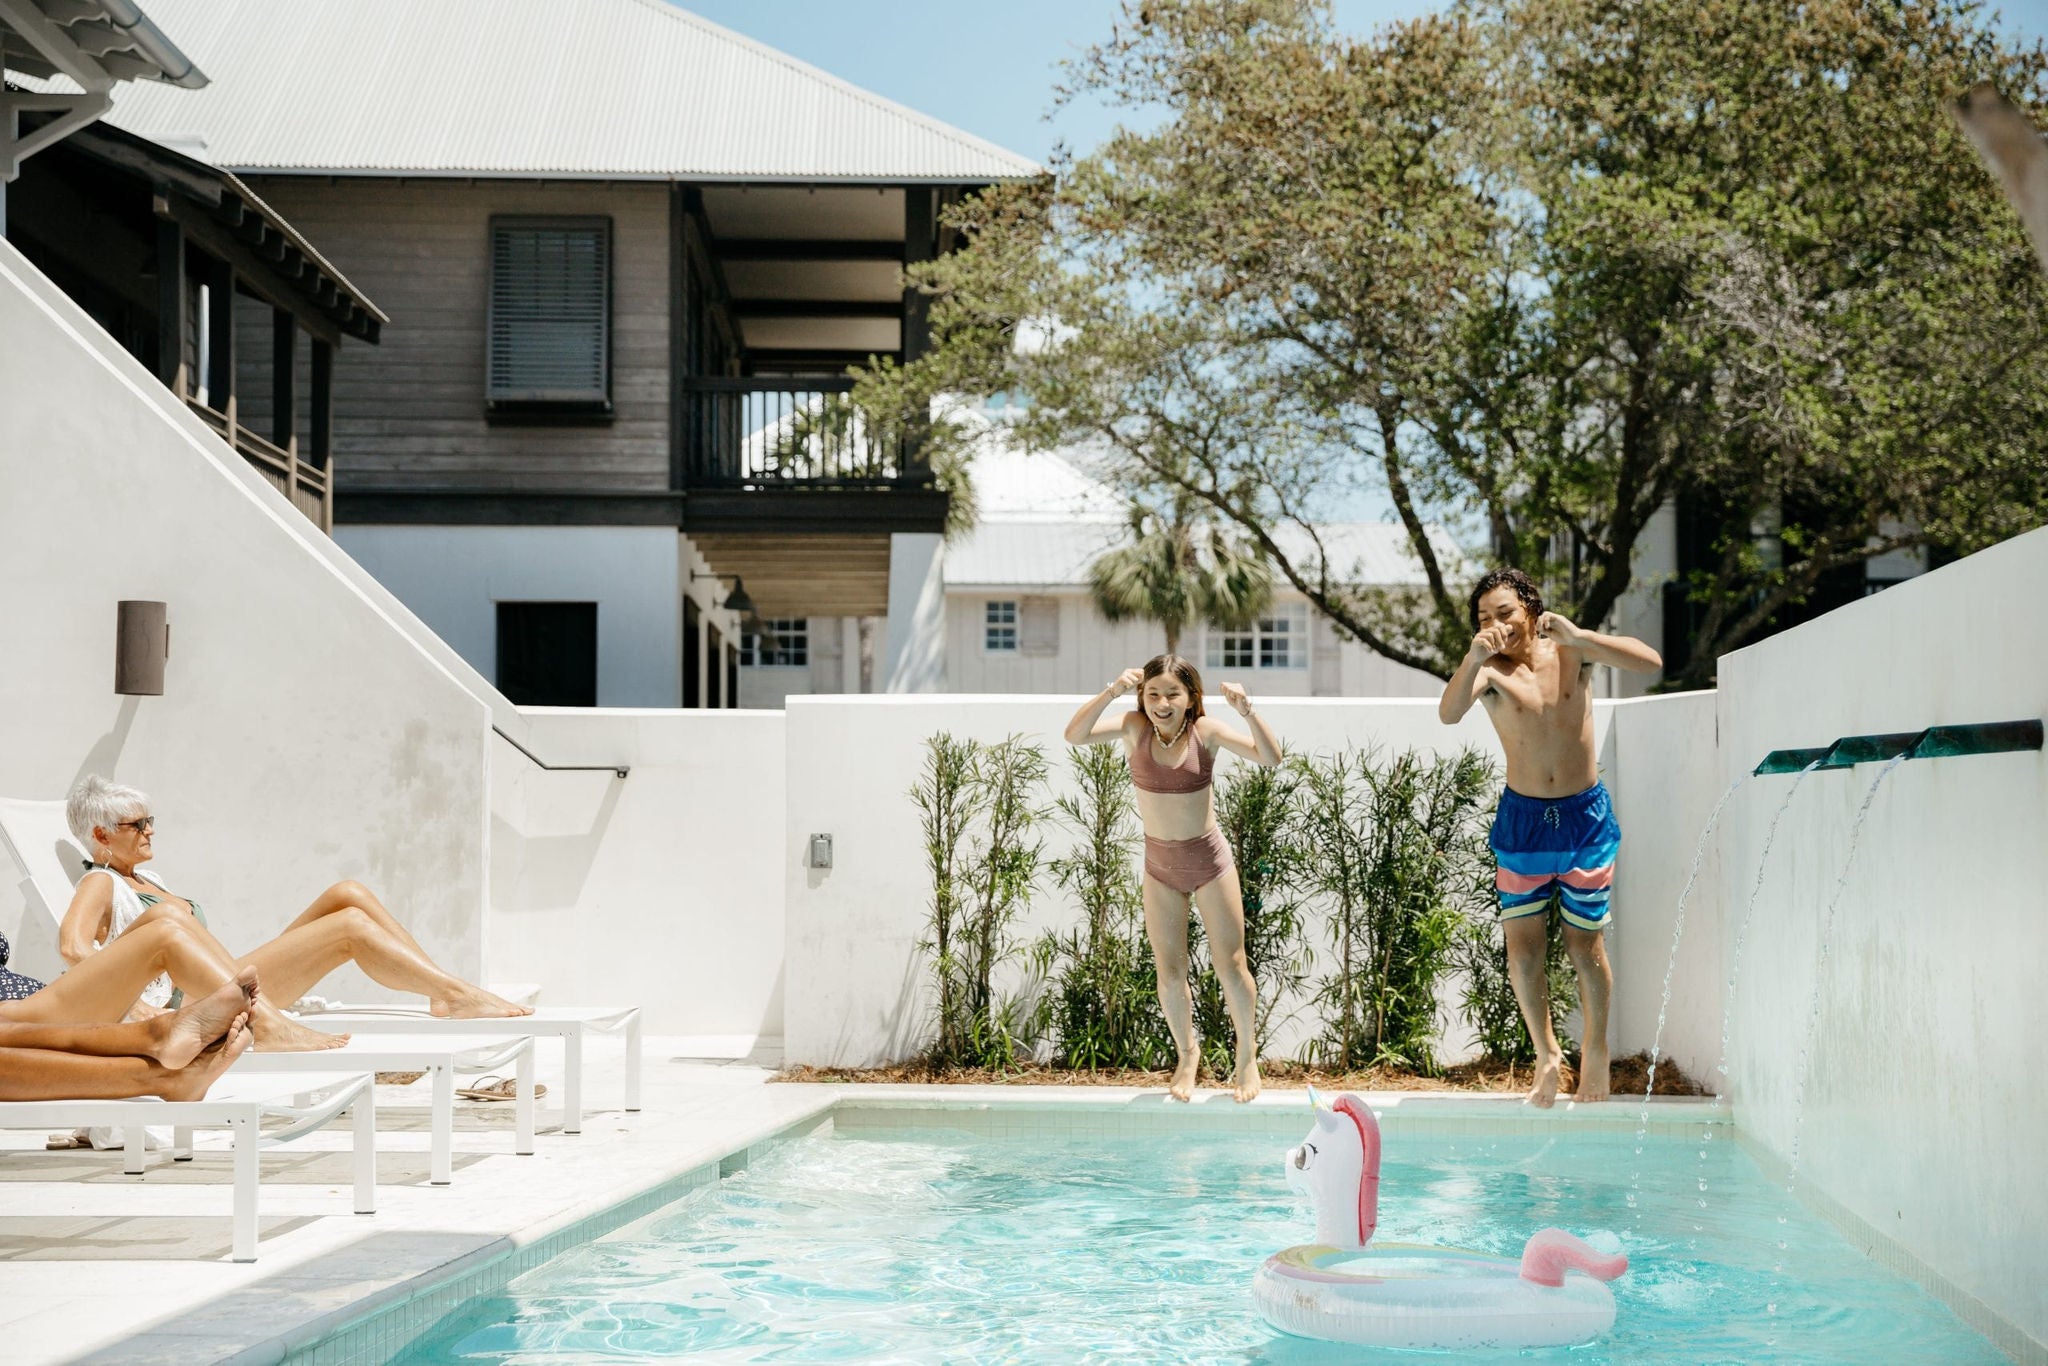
1186 865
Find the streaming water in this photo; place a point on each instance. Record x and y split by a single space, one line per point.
1699 855
1827 922
1742 931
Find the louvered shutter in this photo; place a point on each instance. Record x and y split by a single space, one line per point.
550 317
1039 627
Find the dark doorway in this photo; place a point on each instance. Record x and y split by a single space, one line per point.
693 681
547 653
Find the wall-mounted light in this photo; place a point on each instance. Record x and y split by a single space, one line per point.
142 642
735 601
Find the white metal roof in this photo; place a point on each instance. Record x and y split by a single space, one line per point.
613 89
1044 518
85 40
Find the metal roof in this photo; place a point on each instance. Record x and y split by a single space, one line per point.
114 36
572 89
1043 519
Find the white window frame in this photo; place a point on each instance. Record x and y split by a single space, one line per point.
792 637
1251 648
1000 626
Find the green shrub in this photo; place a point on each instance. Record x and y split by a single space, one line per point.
983 799
1396 848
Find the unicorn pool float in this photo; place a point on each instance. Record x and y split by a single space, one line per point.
1407 1295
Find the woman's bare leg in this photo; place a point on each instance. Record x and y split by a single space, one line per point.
1166 925
1221 904
298 958
172 1039
343 895
392 946
102 988
45 1074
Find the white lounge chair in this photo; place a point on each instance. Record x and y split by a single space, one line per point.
571 1024
442 1057
34 833
240 1104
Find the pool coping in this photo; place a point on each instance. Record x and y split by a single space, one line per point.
371 1327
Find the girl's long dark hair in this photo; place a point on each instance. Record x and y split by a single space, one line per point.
1180 668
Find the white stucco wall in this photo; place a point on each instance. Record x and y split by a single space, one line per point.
453 577
304 734
663 889
855 979
1923 1110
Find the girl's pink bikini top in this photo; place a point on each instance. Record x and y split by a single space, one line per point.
1193 773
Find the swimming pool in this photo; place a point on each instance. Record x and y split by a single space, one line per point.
919 1243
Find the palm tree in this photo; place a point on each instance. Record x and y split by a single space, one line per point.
1179 568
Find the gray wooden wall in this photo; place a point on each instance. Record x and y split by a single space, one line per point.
410 412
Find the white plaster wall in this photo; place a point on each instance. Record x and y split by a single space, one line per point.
304 736
663 889
1657 756
855 979
1923 1109
453 577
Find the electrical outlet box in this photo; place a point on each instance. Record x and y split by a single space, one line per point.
821 851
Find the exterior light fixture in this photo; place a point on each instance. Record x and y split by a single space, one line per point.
142 642
735 601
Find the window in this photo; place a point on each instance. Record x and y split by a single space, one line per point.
549 331
787 644
1276 641
999 627
547 653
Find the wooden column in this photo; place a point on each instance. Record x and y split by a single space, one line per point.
320 426
284 422
220 344
170 306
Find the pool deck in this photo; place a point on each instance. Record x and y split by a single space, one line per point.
93 1269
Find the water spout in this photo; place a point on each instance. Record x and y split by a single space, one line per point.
1936 742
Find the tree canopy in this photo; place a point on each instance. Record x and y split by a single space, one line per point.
1532 271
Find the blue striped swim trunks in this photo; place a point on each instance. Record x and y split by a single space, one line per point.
1556 846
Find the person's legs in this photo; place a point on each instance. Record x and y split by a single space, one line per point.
1166 925
343 895
1221 904
46 1074
300 957
172 1039
1588 950
103 987
1528 940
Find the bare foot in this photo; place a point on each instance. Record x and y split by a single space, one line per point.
296 1038
475 1004
204 1021
1245 1086
1182 1087
192 1082
1593 1083
1544 1093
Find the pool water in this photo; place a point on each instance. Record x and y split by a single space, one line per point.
919 1245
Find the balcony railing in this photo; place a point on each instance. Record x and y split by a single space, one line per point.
307 485
764 432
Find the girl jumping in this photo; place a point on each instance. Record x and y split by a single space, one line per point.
1171 745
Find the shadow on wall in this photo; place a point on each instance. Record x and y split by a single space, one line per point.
549 872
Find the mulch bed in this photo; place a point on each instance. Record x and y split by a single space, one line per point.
1627 1077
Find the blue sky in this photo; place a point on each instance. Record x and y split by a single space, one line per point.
988 66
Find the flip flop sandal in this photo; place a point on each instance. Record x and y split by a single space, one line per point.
497 1088
63 1142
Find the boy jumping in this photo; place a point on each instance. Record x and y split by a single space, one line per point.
1555 834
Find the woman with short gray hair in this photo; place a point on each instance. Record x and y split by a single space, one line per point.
345 923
